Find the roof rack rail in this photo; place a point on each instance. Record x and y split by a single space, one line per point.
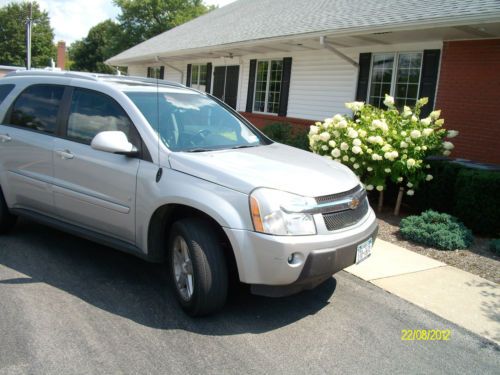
152 81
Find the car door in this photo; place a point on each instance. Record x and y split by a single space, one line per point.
26 148
95 189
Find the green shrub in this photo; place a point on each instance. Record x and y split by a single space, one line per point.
477 200
438 230
495 246
284 132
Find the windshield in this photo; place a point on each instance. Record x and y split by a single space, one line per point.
194 122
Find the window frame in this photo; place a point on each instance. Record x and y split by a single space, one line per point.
268 84
196 85
395 67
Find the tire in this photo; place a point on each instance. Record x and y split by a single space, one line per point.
206 293
7 220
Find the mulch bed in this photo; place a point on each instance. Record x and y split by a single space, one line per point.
478 259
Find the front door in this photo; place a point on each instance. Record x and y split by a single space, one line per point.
92 188
226 84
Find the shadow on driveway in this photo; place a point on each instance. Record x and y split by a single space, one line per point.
129 287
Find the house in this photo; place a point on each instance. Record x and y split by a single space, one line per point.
301 60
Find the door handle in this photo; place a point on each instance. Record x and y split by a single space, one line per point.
5 138
65 154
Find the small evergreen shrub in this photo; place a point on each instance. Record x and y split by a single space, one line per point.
495 246
283 132
438 230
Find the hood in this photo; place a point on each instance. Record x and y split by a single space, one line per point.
273 166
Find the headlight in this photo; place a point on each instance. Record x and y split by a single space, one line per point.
278 212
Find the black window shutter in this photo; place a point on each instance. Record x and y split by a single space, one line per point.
428 79
209 78
188 76
149 72
285 86
365 60
251 85
162 72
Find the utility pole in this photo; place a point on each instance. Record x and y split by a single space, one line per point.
29 22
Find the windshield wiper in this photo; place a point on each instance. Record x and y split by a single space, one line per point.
199 149
243 146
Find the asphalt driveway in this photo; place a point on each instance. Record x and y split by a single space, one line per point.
70 306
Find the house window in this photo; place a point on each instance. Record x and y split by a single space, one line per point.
396 74
154 72
268 86
199 76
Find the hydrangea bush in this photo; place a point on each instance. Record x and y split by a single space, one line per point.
383 144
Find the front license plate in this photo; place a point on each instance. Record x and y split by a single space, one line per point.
364 250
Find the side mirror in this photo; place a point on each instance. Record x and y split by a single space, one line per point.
115 142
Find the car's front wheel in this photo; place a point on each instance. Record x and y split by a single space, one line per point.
7 220
197 266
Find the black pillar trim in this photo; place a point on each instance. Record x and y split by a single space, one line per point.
365 60
149 72
162 72
209 78
188 75
428 79
285 86
251 85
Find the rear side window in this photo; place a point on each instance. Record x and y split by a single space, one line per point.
37 107
92 113
4 91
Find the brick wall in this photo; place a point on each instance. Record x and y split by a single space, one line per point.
469 97
261 120
61 54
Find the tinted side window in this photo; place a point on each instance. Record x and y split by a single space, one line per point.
4 91
37 107
92 113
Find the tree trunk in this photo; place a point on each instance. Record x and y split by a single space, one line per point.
380 201
398 201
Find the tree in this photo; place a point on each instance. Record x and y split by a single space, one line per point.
102 42
141 20
13 36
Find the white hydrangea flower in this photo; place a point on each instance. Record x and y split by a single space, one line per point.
345 158
356 142
313 129
352 133
417 148
332 143
335 152
386 147
407 111
369 150
424 148
355 106
446 152
409 184
325 136
356 149
423 101
414 118
403 144
429 177
362 133
448 145
404 134
337 118
369 187
435 114
428 166
380 187
439 122
352 159
324 148
452 133
427 131
372 139
355 165
400 179
415 134
389 101
426 121
387 170
342 124
336 134
376 157
410 192
369 169
344 146
410 163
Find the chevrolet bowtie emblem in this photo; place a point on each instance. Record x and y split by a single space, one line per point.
354 203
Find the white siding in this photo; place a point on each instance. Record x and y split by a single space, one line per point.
320 84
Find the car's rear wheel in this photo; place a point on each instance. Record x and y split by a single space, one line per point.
197 266
7 220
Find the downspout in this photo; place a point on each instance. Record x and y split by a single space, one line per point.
158 58
331 48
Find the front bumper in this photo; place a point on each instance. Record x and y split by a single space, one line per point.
262 259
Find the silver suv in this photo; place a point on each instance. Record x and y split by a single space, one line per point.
173 175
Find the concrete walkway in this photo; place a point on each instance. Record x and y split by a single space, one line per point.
458 296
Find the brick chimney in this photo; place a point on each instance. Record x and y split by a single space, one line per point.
61 54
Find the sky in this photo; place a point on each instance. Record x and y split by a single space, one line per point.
72 19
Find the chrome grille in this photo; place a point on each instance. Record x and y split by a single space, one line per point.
343 219
334 197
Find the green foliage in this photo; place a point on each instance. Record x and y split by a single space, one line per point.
101 43
478 200
438 230
495 246
382 145
13 36
143 19
283 132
